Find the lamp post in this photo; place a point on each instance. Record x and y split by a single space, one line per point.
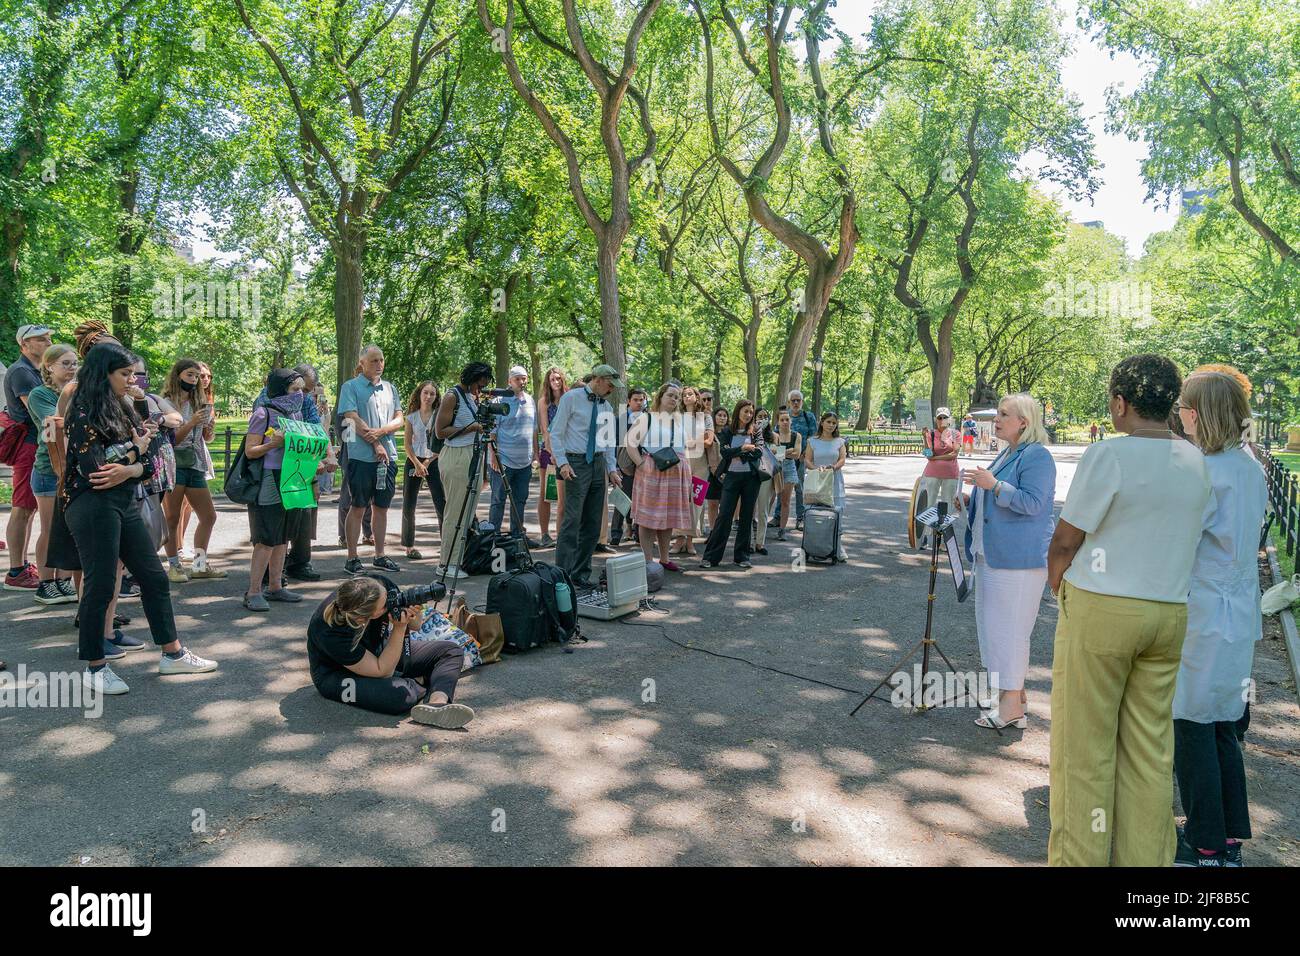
1269 386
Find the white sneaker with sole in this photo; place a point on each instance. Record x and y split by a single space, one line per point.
453 574
444 716
187 663
104 681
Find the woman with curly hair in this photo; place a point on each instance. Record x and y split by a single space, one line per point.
1120 562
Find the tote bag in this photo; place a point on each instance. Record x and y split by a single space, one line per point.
819 487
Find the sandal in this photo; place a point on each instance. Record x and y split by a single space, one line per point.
991 721
414 555
671 566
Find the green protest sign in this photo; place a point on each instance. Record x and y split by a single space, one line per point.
304 449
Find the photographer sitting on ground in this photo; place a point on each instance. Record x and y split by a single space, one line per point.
360 654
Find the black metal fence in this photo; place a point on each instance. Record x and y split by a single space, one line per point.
225 445
884 445
1284 495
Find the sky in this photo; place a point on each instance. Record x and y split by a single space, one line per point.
1120 202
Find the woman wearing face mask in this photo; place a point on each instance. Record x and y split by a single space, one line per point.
183 390
740 452
153 489
713 456
205 396
270 524
58 367
769 488
790 451
107 457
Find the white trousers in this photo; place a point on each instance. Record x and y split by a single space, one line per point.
1006 607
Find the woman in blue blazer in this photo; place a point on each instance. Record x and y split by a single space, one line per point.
1009 526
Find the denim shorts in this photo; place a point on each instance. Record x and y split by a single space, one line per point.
190 478
44 486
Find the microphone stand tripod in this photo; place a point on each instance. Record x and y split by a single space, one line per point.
939 525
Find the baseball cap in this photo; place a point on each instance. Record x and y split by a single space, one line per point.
26 332
943 412
609 372
517 370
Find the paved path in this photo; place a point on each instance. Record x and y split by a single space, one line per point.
567 763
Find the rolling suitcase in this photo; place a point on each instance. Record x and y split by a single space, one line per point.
821 533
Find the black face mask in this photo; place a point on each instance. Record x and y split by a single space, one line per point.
189 386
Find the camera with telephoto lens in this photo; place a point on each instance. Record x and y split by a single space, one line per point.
488 409
399 599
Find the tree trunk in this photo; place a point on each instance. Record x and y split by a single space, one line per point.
817 291
818 367
534 356
502 347
717 369
753 374
677 353
120 294
941 372
12 306
611 324
865 415
348 289
665 357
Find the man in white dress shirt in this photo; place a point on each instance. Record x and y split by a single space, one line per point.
583 436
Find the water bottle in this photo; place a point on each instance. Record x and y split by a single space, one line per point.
563 598
381 475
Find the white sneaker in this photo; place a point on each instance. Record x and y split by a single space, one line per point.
443 716
453 573
189 663
103 682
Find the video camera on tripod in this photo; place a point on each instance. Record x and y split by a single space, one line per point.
489 409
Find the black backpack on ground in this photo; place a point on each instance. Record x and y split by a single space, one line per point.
517 597
563 624
530 611
477 557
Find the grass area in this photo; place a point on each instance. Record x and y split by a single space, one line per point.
1289 458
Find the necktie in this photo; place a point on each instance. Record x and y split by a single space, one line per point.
591 428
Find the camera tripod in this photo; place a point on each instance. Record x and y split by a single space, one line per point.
482 440
940 526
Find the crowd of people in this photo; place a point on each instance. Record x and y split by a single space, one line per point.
1152 560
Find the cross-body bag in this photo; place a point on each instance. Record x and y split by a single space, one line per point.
666 458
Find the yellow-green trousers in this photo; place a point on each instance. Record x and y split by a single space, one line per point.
1113 674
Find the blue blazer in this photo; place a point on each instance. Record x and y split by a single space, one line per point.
1018 525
